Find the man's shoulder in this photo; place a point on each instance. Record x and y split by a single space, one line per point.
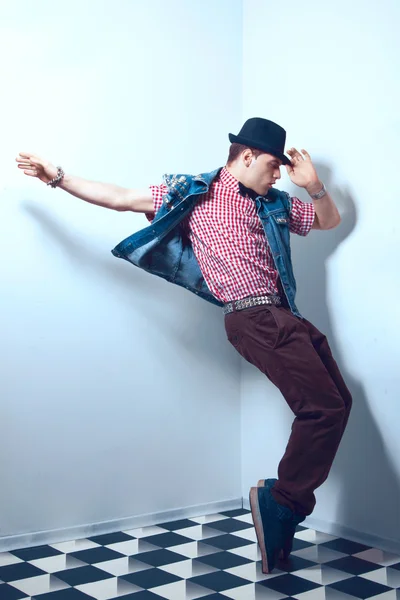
186 178
184 184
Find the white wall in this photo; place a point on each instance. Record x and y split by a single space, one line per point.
119 392
329 74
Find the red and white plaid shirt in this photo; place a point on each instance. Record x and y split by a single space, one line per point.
228 239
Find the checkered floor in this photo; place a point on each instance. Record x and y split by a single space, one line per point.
206 557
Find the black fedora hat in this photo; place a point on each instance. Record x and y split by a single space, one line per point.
264 135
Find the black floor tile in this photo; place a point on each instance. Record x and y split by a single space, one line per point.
289 584
158 558
346 546
111 538
175 525
360 587
219 581
96 555
230 525
226 542
151 578
36 552
223 560
82 575
7 592
166 540
19 571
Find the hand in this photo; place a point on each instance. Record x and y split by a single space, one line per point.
302 171
34 166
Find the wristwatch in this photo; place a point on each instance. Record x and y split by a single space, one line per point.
319 194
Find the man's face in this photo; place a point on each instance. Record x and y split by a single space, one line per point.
262 172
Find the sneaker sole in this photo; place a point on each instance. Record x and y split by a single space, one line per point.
255 512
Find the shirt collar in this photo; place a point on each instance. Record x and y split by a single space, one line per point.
228 180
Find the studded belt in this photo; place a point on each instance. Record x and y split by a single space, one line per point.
249 302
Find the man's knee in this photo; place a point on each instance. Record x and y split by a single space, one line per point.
333 415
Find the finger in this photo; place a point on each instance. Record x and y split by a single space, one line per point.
294 152
23 159
292 161
34 160
296 155
308 157
24 166
31 172
27 155
289 169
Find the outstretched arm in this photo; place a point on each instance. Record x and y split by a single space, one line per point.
101 194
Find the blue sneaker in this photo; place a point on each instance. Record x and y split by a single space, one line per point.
290 526
270 521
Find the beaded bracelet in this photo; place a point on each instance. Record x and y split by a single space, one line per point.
57 180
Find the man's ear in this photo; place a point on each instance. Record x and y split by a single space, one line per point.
247 157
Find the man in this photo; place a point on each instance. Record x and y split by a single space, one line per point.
225 236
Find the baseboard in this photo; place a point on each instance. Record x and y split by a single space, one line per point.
39 538
386 544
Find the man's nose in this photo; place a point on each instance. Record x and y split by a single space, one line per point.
277 174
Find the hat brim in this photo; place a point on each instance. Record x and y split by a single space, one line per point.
237 139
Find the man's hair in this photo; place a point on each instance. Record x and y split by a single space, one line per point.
236 150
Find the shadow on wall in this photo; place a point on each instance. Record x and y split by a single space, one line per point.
175 313
369 489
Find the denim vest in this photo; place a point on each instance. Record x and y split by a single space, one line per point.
162 248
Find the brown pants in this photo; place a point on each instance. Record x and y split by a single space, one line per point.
296 357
